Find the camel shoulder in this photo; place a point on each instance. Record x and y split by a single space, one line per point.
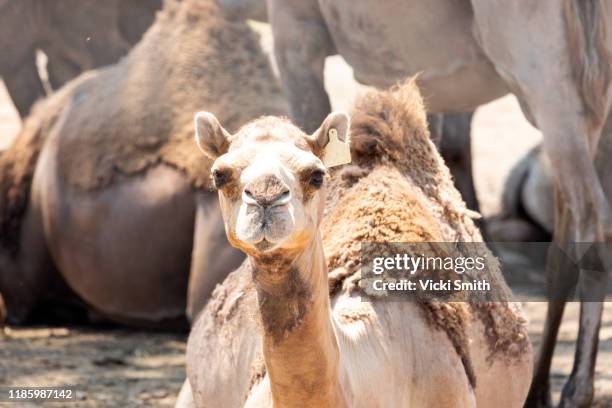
224 343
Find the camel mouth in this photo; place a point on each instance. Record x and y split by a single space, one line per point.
264 228
264 245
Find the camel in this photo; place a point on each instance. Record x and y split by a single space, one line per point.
455 146
527 212
554 56
101 195
293 325
75 35
528 197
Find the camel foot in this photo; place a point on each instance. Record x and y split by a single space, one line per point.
577 393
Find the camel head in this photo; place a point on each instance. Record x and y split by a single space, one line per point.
271 179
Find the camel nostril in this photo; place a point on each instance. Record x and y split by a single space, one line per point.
281 199
249 198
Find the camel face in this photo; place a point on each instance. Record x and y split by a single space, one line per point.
266 202
270 179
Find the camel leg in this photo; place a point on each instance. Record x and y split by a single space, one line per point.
434 123
237 10
456 149
551 97
579 389
60 69
212 258
562 277
135 17
301 45
451 134
24 84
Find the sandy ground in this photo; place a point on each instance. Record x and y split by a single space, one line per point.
105 368
130 368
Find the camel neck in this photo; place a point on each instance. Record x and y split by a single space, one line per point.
299 343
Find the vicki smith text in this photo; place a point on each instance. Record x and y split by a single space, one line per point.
442 285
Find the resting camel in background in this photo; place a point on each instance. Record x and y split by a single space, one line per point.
553 55
527 207
75 35
527 212
102 194
318 339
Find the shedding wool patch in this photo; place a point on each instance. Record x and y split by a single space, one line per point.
398 189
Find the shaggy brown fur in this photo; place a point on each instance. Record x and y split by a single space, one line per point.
591 59
148 100
237 289
17 167
512 341
121 120
284 310
399 190
17 164
232 307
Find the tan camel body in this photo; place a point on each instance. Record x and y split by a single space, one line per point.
273 336
117 209
555 56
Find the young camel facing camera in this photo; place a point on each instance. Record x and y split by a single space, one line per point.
291 326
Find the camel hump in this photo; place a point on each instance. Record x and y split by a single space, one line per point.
386 123
389 128
589 56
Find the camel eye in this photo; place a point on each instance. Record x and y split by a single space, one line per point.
220 177
316 178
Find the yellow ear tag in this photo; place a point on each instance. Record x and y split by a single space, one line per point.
336 153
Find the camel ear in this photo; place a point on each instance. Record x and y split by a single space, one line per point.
210 136
335 120
331 140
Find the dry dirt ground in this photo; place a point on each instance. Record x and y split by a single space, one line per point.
119 367
106 368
